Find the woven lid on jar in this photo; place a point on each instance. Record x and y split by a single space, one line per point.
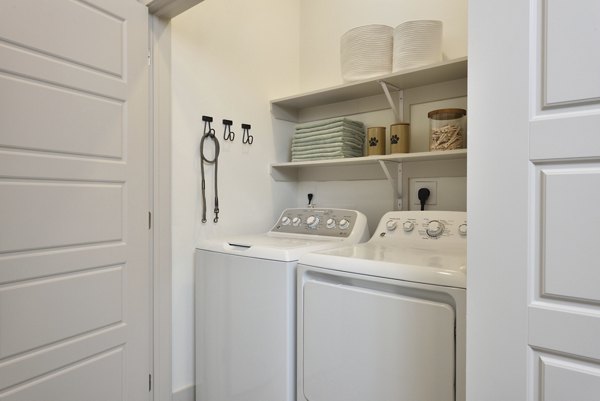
446 114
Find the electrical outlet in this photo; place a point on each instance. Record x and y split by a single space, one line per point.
418 183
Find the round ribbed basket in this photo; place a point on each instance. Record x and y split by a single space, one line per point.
416 44
366 52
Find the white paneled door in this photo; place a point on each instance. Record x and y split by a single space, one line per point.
74 235
534 264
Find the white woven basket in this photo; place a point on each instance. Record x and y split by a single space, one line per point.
366 52
416 44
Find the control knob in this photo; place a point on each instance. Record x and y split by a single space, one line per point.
312 221
285 221
390 225
330 223
462 229
408 226
296 221
435 228
344 224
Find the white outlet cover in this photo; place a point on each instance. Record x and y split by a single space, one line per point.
430 184
450 193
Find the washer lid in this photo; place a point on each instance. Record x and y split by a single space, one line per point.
270 246
445 266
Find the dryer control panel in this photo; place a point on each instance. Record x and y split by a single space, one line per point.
423 225
326 222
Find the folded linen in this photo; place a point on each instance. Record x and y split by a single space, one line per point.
324 123
328 140
337 126
354 151
345 131
323 156
328 135
304 148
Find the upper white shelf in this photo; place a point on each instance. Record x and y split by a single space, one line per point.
287 107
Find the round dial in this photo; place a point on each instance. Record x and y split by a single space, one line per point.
408 226
296 221
312 221
330 223
344 224
391 225
462 229
435 228
286 221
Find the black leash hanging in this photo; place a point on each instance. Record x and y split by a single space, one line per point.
209 133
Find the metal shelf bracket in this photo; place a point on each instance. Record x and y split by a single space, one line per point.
393 173
399 109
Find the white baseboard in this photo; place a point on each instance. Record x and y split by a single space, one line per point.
185 394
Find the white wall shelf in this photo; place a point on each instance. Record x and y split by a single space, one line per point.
445 80
364 96
357 168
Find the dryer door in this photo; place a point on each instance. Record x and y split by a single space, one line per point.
366 344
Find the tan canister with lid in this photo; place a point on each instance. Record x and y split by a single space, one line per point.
375 141
400 138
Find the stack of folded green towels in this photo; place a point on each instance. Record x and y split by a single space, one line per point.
328 139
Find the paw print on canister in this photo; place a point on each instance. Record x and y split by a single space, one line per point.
394 139
373 141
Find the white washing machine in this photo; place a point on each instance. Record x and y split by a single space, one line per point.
246 303
385 320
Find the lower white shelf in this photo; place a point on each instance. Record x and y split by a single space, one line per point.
356 168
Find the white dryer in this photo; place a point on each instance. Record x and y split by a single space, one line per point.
385 320
246 303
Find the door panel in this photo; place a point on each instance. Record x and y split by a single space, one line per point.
565 329
59 385
571 69
564 305
91 35
552 138
98 130
534 303
562 377
89 300
74 269
567 270
86 213
69 352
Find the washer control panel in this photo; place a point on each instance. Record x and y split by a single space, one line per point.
423 225
327 222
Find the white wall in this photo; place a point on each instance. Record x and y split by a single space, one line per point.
321 26
229 57
323 22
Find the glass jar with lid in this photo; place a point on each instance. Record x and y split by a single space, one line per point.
447 129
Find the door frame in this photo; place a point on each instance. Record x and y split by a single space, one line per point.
160 14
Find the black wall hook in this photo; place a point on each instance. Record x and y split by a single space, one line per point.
228 134
246 137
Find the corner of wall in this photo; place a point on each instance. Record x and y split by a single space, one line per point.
185 394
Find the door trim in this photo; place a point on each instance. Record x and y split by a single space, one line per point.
160 14
160 170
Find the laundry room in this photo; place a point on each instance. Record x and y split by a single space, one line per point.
229 61
277 200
